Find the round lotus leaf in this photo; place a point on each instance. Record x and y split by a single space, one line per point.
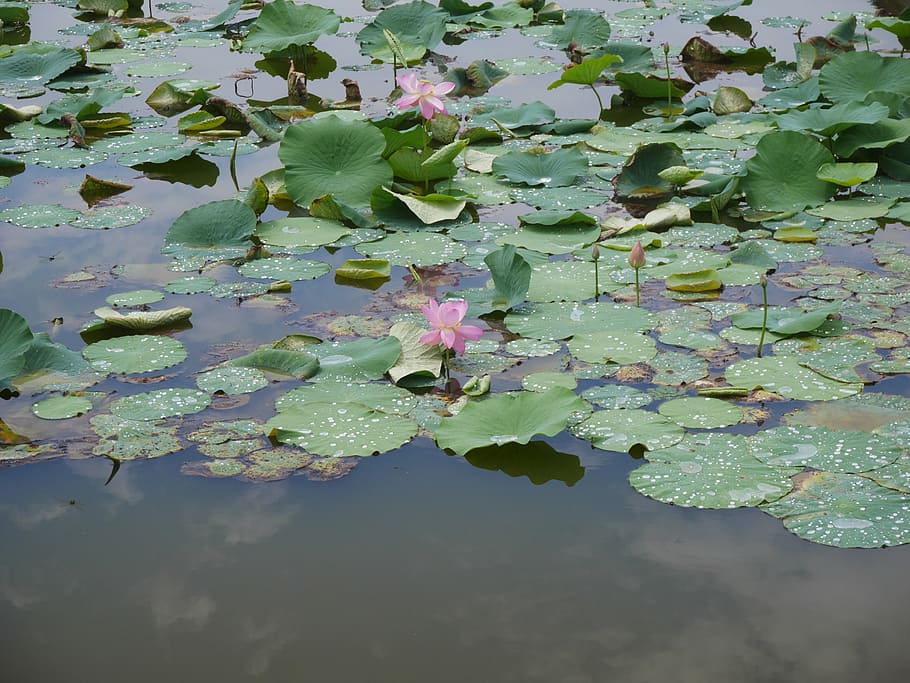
384 397
140 142
112 217
282 24
701 413
216 225
844 510
508 418
239 289
676 369
126 439
285 269
64 157
138 297
700 340
555 321
619 430
568 281
235 448
341 429
61 407
333 156
709 471
853 75
785 376
419 249
157 69
39 215
301 231
232 380
193 284
610 347
825 449
134 353
536 167
221 432
542 381
214 468
561 239
360 360
558 198
614 396
155 405
528 66
531 347
274 464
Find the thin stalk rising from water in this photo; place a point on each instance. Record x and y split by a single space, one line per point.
763 281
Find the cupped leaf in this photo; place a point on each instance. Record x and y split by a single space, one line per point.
585 73
225 224
508 418
144 320
538 167
15 337
418 26
640 176
853 75
330 155
783 174
295 363
360 360
282 24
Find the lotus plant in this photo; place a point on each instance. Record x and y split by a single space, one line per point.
445 319
763 281
637 261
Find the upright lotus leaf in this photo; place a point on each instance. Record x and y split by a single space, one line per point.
418 26
15 337
282 24
832 450
846 174
853 75
783 174
899 26
538 167
640 175
431 208
361 360
28 68
81 106
416 359
511 275
220 225
845 511
885 133
832 120
508 418
330 155
536 460
175 96
585 28
587 72
710 471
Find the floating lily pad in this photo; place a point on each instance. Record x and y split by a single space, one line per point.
232 380
508 418
422 249
785 376
40 215
301 232
112 217
138 297
619 430
383 397
554 169
361 360
614 396
844 510
285 269
563 320
341 429
62 407
295 363
127 439
613 347
824 449
701 413
193 284
135 353
709 471
155 405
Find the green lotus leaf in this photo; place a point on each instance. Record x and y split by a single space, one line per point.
785 376
360 360
232 380
885 133
536 460
845 511
521 118
137 297
111 217
850 77
175 96
15 338
782 176
156 405
786 320
29 67
416 359
648 87
585 73
431 208
847 174
511 276
560 239
144 320
418 26
709 471
295 363
332 156
341 429
615 396
528 66
81 106
423 249
193 284
553 169
640 176
285 269
507 15
300 231
707 280
282 24
383 397
849 451
619 430
832 120
856 209
62 407
563 320
508 418
701 413
225 224
39 215
584 27
613 347
127 439
135 353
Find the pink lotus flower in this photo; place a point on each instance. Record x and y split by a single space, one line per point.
424 94
637 256
445 319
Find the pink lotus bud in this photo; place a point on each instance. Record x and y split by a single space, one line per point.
637 256
595 253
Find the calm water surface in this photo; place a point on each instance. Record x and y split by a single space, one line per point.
417 566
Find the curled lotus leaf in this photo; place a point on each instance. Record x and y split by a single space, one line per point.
144 320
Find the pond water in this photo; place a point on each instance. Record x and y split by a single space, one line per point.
538 564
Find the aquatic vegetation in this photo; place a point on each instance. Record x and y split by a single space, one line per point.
452 201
